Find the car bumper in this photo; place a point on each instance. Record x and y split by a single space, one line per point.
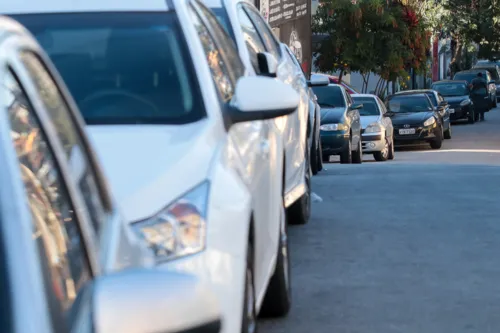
422 134
373 142
225 273
459 112
334 142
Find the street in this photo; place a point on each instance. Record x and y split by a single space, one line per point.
410 245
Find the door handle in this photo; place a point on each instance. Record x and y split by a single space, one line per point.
264 148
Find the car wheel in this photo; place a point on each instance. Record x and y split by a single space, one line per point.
383 155
249 321
278 297
320 156
357 156
447 133
300 211
314 157
346 156
326 158
438 142
391 150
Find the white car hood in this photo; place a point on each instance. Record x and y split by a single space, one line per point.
149 166
367 120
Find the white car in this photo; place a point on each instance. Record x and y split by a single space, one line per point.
64 249
189 150
377 130
262 54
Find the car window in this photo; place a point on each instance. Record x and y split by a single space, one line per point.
252 39
223 80
409 103
56 230
265 32
433 98
451 89
225 43
329 96
126 69
70 137
370 106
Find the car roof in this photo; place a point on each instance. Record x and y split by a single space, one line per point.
71 6
450 81
364 95
415 92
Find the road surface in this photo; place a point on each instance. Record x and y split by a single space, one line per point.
407 246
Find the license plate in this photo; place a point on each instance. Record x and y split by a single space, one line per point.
452 110
407 131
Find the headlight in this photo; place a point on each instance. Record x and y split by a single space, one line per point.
429 121
333 127
373 128
180 228
465 102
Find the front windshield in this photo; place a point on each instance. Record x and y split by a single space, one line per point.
493 72
409 103
131 68
329 96
451 89
466 76
370 106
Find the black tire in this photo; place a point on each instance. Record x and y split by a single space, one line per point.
357 156
471 118
249 318
320 156
346 156
314 155
392 153
447 133
278 299
326 158
476 116
438 142
300 211
382 156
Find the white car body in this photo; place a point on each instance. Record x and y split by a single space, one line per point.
151 167
293 129
379 135
63 244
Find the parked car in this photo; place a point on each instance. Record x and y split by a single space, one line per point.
64 247
494 70
335 80
439 103
376 127
316 160
340 124
457 94
263 55
415 120
469 75
196 167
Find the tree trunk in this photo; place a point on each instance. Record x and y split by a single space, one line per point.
341 75
456 61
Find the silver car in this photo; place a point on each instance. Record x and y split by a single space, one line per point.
377 130
68 261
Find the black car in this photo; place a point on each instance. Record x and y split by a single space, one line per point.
470 74
415 119
457 94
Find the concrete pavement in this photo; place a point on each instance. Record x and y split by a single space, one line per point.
406 246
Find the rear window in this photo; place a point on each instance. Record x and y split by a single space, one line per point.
122 68
329 96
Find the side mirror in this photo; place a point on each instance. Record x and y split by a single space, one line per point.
153 301
275 99
318 80
356 106
268 65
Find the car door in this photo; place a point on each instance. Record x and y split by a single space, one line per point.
295 132
251 140
386 121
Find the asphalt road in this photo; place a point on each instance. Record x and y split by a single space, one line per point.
407 246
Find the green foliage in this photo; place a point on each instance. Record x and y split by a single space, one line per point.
371 36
